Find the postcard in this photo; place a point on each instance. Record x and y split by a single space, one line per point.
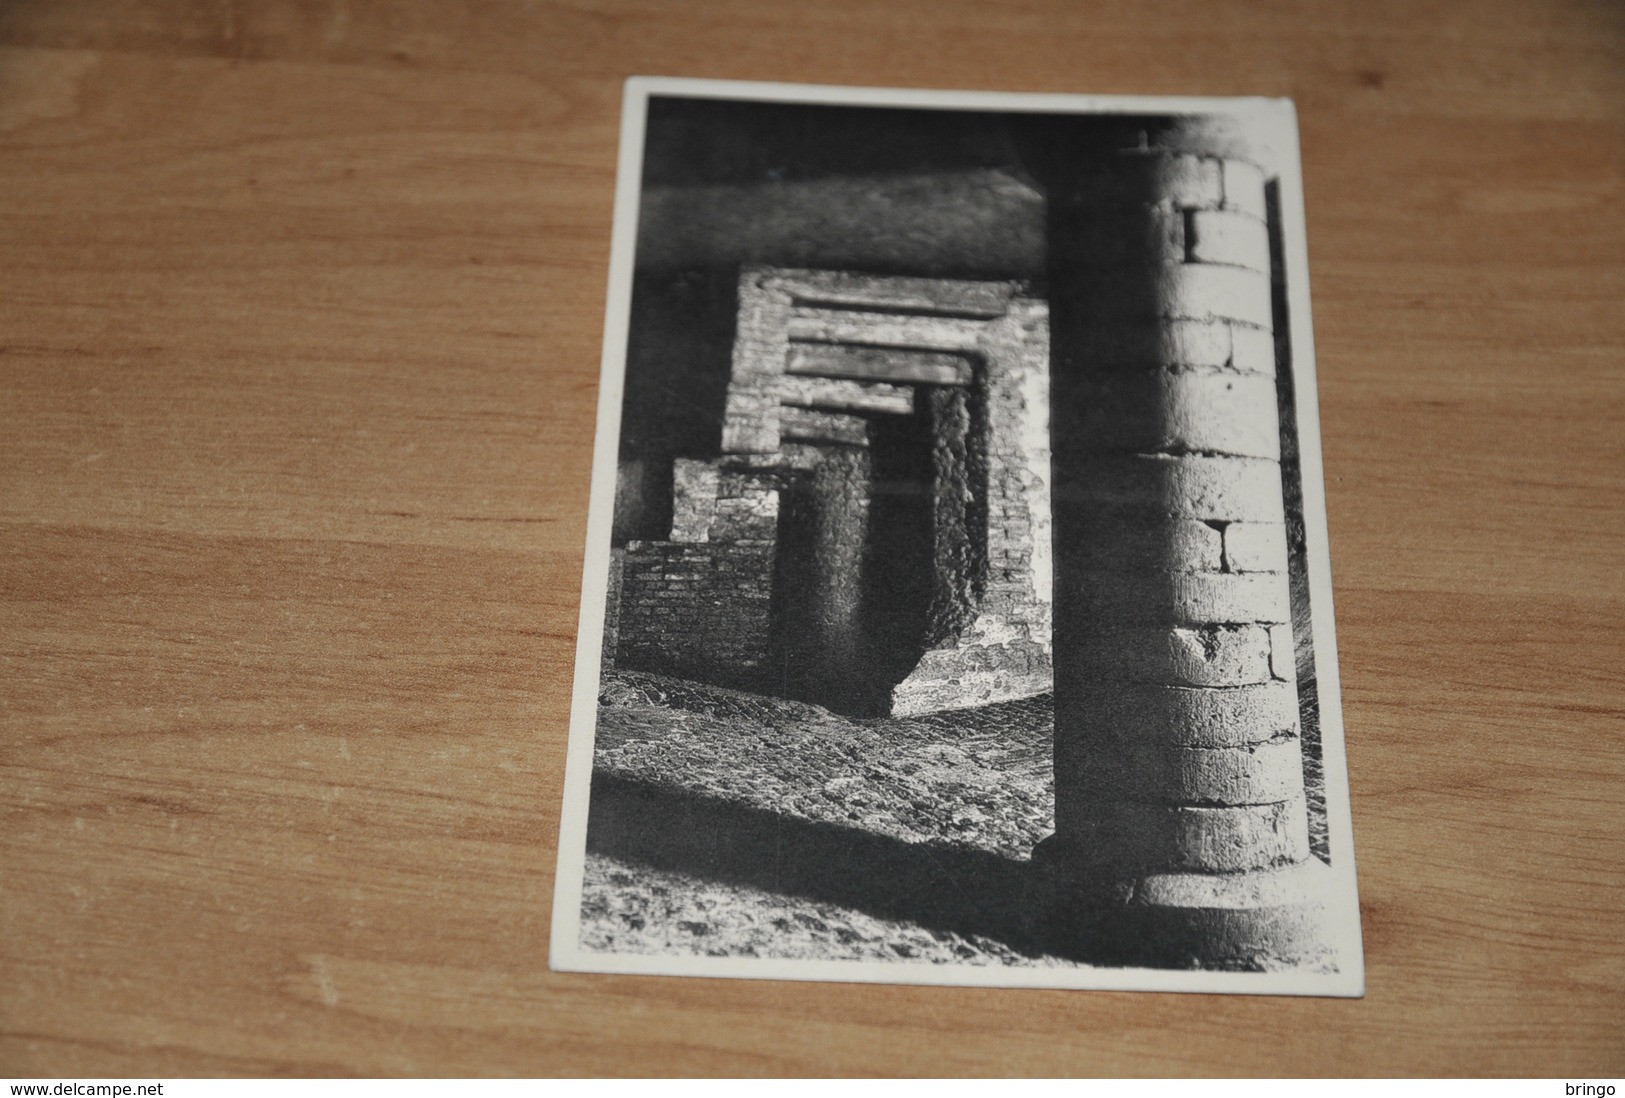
957 602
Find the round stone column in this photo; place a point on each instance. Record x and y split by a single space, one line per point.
1182 829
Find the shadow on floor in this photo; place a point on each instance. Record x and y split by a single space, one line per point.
941 887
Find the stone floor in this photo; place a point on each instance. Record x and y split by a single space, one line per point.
978 777
734 824
629 908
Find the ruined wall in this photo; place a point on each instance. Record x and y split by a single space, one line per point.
1000 648
696 609
818 358
700 604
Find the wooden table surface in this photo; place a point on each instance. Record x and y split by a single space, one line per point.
300 314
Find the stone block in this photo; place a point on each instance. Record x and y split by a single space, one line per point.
1214 411
872 329
1262 920
747 518
1252 349
1227 237
1255 547
751 422
1190 547
1263 773
885 292
1231 598
1179 655
1241 837
1217 655
1204 291
955 677
1165 234
1190 716
844 396
1244 188
1225 489
1283 656
894 365
1194 343
1176 179
1229 839
1110 600
812 425
1148 343
1132 539
694 499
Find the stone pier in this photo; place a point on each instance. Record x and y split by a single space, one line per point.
1181 825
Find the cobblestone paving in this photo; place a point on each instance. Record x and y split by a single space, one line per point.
976 777
628 908
975 781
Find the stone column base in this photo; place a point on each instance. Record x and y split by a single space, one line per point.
1262 920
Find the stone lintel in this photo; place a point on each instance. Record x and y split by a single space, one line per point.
893 365
924 295
846 396
813 324
811 425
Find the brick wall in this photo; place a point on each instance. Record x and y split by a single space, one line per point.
994 643
696 609
816 352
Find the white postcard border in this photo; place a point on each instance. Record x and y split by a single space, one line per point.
566 954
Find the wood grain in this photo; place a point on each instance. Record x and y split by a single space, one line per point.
299 330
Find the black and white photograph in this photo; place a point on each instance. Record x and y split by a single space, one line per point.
957 604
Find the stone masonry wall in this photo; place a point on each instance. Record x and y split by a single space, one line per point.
1001 648
697 609
815 353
